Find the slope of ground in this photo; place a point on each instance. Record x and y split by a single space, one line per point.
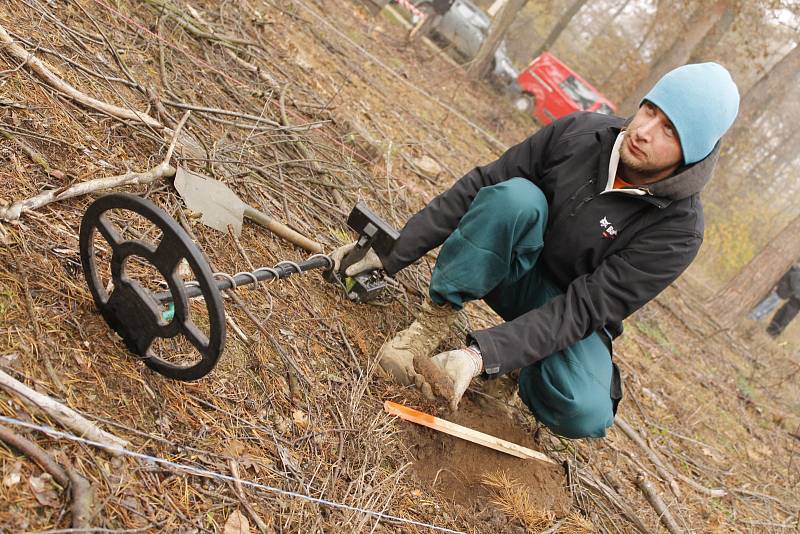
303 108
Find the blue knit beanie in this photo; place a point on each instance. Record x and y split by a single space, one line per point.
702 101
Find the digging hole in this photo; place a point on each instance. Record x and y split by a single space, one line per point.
456 468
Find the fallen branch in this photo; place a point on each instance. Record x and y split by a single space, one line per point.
81 490
192 25
45 73
711 492
34 322
789 508
41 69
236 114
304 151
263 75
587 478
15 210
634 436
160 171
361 138
66 416
35 453
658 504
82 499
661 469
237 486
34 156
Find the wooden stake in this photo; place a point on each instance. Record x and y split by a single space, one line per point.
424 419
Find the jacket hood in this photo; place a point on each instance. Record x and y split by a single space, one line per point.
688 180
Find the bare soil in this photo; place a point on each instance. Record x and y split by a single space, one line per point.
456 468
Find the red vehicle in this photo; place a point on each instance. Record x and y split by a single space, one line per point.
552 90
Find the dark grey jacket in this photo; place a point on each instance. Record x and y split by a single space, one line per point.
789 284
605 277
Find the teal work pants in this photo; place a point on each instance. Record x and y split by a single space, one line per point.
492 255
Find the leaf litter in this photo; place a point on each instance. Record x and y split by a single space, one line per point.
297 121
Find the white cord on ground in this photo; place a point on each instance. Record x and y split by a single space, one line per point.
220 476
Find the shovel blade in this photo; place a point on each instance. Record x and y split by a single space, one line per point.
218 205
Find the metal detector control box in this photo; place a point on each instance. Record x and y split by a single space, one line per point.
373 233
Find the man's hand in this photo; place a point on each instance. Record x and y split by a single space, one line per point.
369 262
460 367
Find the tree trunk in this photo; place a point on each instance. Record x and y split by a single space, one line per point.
482 63
765 169
613 18
562 23
705 50
743 292
623 63
766 90
495 8
738 143
703 20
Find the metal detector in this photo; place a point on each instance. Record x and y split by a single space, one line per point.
141 316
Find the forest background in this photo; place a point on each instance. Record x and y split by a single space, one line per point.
623 46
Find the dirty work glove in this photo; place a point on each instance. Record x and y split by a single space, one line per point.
400 367
460 366
369 262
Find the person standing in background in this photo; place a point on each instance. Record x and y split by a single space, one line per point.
789 289
432 11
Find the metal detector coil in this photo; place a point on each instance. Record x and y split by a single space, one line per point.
131 310
141 316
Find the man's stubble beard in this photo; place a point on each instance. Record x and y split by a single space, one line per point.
642 169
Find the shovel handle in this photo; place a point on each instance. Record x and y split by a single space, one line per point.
282 231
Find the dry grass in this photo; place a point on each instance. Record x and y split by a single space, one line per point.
511 498
300 408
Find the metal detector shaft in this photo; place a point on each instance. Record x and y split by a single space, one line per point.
264 274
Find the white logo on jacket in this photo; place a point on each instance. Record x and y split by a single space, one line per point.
609 232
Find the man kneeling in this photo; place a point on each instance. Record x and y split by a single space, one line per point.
564 236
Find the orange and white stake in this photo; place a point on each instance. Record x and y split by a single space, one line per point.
425 419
